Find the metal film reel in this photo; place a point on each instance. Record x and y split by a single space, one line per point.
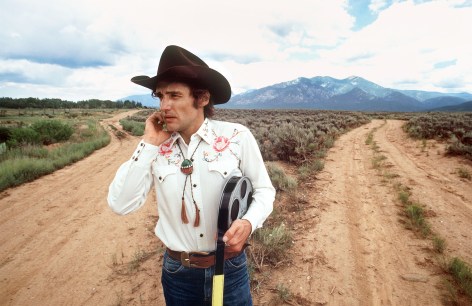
235 201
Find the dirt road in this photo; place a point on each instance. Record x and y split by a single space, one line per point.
59 240
352 249
61 244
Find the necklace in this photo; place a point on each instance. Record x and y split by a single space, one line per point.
186 167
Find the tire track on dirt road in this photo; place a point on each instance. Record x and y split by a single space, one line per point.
434 182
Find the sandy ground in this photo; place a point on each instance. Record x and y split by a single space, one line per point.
62 245
350 246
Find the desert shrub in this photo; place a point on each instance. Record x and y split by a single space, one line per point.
5 134
134 127
456 147
464 173
27 161
271 244
52 131
23 136
19 170
455 128
292 143
439 244
462 274
280 179
310 168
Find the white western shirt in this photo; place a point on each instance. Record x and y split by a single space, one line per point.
226 149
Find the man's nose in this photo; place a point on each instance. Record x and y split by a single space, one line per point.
165 104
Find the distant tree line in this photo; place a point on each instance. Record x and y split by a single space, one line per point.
21 103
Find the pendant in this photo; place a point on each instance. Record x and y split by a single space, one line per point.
186 167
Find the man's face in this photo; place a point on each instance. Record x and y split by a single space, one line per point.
177 102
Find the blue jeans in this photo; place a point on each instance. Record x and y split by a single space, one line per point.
192 286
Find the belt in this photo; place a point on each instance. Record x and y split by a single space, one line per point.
198 259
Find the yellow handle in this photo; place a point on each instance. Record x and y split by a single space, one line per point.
218 289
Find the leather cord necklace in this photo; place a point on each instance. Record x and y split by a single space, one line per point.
186 167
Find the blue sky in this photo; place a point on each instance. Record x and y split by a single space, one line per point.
83 49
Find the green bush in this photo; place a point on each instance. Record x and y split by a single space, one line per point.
310 168
52 131
23 136
5 134
455 128
272 243
20 170
134 127
280 179
27 161
462 273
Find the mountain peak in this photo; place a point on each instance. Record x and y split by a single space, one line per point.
325 92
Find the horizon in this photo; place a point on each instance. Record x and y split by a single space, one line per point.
248 91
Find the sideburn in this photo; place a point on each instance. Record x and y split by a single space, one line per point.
209 109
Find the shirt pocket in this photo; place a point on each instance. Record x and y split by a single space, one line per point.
164 174
224 168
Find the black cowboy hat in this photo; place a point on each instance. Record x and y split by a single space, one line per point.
178 64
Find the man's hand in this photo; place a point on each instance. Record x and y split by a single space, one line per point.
237 235
154 132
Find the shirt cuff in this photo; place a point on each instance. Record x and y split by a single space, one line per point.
253 223
144 154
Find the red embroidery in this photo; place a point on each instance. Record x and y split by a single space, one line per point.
166 147
221 143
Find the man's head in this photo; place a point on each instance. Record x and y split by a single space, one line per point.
197 92
179 65
182 107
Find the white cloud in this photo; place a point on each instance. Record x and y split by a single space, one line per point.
87 48
377 5
406 41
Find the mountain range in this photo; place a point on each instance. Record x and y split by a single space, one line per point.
327 93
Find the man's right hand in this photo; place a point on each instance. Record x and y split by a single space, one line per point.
154 129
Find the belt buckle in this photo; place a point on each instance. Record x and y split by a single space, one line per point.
185 259
186 256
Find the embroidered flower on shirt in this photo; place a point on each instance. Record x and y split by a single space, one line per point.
221 143
168 150
166 147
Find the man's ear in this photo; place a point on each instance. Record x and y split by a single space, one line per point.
204 99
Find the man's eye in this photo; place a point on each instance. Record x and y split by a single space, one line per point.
157 95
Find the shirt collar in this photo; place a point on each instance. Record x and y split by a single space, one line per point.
204 132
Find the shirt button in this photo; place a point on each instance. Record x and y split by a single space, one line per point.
201 235
194 185
136 159
160 178
225 173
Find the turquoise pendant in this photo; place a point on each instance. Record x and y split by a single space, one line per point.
186 167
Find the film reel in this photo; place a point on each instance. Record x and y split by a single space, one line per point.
235 201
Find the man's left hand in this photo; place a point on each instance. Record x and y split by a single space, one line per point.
237 235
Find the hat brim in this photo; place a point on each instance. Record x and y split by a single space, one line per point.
210 79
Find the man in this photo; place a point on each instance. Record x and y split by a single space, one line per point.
188 157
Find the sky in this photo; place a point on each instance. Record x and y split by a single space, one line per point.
85 49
